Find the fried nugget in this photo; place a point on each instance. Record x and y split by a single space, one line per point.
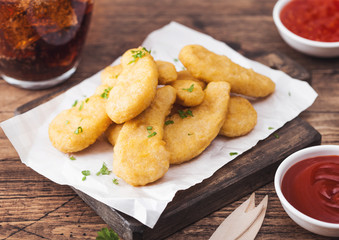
75 129
140 156
167 72
241 118
110 74
112 133
135 87
189 132
189 93
208 66
186 75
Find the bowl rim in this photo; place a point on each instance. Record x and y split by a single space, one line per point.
284 166
276 18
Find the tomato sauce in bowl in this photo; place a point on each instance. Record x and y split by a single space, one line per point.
312 187
316 20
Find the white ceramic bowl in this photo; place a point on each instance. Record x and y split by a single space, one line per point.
306 46
310 224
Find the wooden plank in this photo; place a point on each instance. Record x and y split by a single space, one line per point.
243 175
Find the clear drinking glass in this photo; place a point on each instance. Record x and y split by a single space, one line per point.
41 40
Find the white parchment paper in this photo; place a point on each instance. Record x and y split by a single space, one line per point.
28 133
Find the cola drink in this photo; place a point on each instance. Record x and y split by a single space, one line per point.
41 40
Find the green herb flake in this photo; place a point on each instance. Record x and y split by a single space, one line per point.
289 94
189 113
176 60
276 135
81 105
189 134
86 100
72 157
168 122
115 181
136 54
85 173
67 122
233 153
75 103
104 170
78 130
190 89
105 94
270 128
184 114
107 234
152 134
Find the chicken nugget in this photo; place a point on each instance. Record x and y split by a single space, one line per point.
186 75
189 132
75 129
110 74
135 87
167 72
241 118
112 133
140 156
189 92
208 66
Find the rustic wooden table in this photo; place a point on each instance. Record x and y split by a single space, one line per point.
32 207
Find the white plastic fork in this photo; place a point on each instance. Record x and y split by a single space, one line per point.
244 222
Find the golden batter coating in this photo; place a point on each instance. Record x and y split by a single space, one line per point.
140 156
189 93
209 67
110 74
75 129
241 118
167 72
112 133
191 131
135 87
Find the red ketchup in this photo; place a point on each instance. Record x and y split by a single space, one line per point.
316 20
312 187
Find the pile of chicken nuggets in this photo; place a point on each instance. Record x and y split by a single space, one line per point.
155 116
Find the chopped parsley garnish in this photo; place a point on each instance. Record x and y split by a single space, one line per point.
107 234
85 173
176 60
270 128
104 170
75 103
190 89
105 94
168 122
72 157
184 114
78 130
81 105
233 153
86 100
189 134
115 181
136 54
276 135
151 134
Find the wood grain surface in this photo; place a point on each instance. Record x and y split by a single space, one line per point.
33 207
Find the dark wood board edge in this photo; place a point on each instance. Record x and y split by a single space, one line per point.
243 175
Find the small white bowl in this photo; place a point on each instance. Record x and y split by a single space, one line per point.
306 46
309 223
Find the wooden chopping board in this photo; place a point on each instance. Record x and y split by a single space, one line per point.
243 175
